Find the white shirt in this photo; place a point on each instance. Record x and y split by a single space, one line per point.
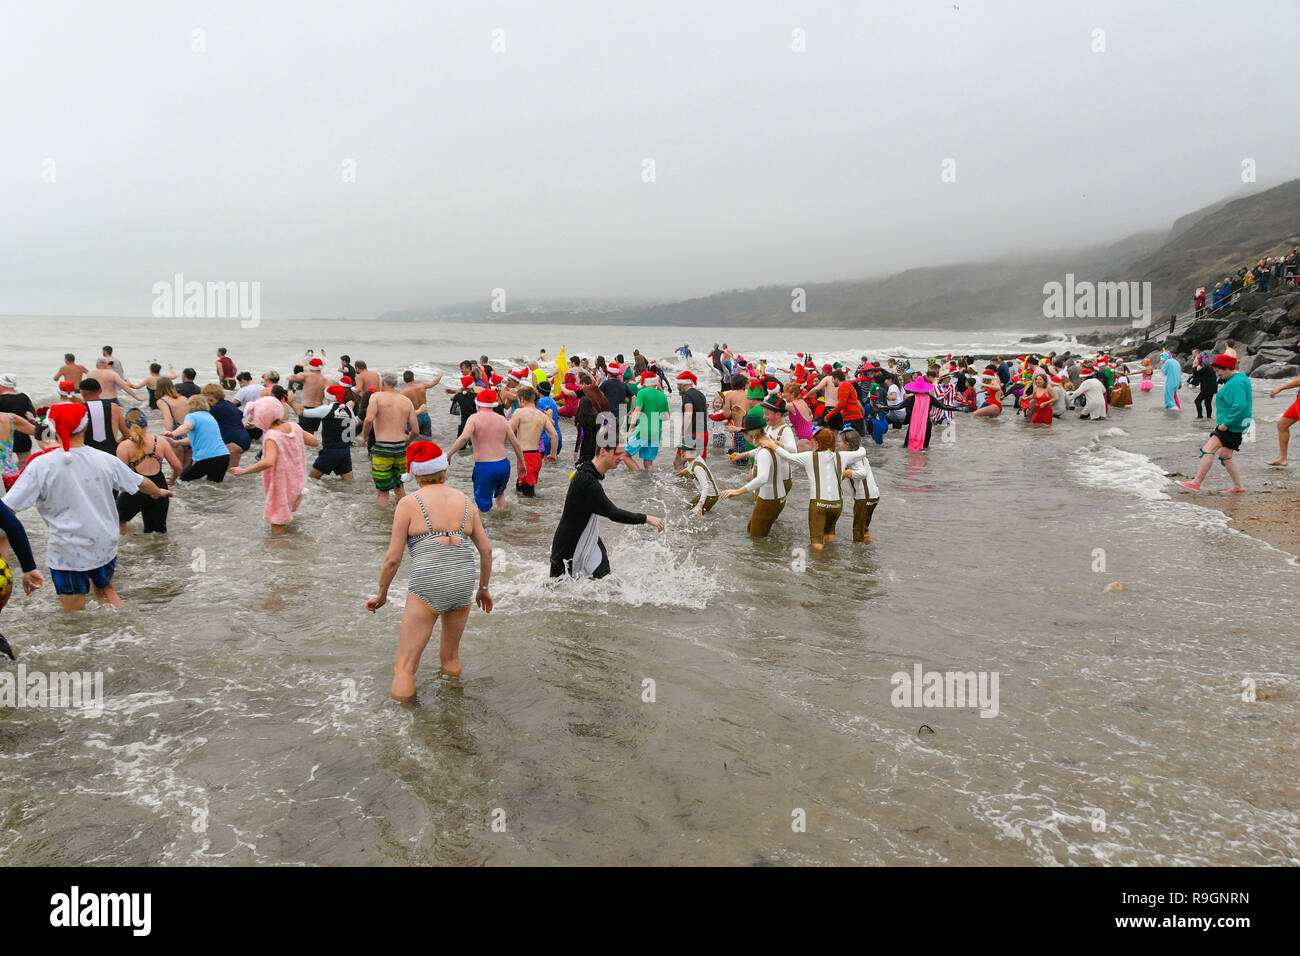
825 469
75 498
765 480
862 481
783 435
247 395
1095 393
703 479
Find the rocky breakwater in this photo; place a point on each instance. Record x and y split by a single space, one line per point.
1263 327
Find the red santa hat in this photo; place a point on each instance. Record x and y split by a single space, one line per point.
338 392
345 380
487 399
773 386
687 376
614 368
495 380
467 381
67 388
424 458
316 363
516 375
648 378
67 419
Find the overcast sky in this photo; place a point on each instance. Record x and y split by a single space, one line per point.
523 169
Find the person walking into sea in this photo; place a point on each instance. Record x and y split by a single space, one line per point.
489 432
706 486
765 485
337 432
283 464
313 383
145 455
862 484
1173 378
576 548
443 569
226 371
530 425
70 370
645 424
391 417
1236 406
825 466
72 488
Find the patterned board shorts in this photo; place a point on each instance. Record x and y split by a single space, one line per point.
387 464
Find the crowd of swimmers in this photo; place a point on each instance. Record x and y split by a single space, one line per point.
91 467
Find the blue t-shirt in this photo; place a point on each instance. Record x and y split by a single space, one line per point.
205 438
547 404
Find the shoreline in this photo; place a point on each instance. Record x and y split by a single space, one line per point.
1268 513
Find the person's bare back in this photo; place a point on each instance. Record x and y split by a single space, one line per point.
488 432
108 380
313 388
391 414
366 379
528 423
71 372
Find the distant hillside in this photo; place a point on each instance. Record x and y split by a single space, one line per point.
1003 293
1235 234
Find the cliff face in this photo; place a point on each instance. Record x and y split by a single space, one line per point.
1236 234
1005 293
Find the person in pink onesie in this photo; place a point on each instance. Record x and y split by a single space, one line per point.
283 464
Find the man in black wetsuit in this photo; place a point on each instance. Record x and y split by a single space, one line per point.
576 548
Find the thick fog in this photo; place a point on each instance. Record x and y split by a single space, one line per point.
355 158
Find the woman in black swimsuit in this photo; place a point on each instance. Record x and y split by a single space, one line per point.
144 454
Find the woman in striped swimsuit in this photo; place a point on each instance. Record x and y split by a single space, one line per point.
442 566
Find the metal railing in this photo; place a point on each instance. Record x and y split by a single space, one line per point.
1184 321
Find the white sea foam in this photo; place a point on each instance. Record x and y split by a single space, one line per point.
1103 466
648 573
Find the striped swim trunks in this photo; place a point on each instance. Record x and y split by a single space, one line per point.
387 463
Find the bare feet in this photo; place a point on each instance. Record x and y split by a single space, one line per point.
1277 462
818 546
